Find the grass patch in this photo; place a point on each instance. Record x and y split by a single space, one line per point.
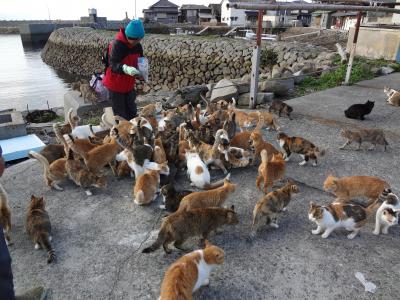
362 70
95 120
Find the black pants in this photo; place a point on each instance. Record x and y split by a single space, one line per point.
6 276
124 105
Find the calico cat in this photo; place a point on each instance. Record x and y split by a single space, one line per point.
138 159
393 96
172 197
38 226
78 173
5 214
257 144
146 187
198 172
350 216
52 173
273 203
301 146
374 136
212 198
190 272
358 111
180 226
270 171
278 106
350 187
387 213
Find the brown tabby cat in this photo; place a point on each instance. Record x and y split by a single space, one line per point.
374 136
269 119
270 170
5 214
53 152
350 187
180 226
38 226
78 173
211 198
257 144
273 203
190 272
52 173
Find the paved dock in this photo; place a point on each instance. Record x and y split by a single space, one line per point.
98 239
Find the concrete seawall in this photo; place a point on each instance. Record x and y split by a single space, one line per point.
180 60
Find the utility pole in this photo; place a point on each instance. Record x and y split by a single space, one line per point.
353 49
135 17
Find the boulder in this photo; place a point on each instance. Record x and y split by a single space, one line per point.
246 78
386 70
224 89
273 86
243 99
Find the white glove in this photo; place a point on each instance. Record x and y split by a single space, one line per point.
132 71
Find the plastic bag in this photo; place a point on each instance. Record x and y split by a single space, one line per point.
143 66
96 82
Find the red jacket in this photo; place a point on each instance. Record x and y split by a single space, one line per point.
121 53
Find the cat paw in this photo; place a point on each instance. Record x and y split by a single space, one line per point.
162 207
315 231
274 225
385 231
206 281
302 163
88 193
37 246
376 232
287 159
284 209
324 236
315 164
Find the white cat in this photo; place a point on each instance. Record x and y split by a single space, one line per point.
387 214
198 172
86 131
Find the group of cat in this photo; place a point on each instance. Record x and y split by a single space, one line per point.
155 146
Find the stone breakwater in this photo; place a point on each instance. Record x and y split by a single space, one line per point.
178 61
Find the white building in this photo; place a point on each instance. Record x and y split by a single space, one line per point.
236 17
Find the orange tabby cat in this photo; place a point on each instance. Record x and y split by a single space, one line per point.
5 214
147 185
190 272
241 139
350 187
257 143
211 198
159 155
270 171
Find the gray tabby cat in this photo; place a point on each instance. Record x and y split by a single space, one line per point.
374 136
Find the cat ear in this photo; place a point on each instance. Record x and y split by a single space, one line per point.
233 207
32 197
312 204
207 243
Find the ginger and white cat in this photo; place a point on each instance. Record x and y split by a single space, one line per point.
147 186
212 198
5 214
198 172
393 96
190 272
85 131
350 216
350 187
387 214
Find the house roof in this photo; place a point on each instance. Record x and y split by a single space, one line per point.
163 3
193 6
344 14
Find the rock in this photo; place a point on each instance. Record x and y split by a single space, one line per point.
246 78
224 89
276 72
286 74
244 99
273 86
263 98
386 70
299 77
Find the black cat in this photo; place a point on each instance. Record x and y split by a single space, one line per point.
172 197
358 111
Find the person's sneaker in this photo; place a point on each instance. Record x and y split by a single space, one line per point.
37 293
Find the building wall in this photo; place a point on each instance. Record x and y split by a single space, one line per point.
376 42
396 17
238 15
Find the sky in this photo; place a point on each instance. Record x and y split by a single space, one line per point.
74 9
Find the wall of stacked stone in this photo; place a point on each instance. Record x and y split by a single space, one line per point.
177 61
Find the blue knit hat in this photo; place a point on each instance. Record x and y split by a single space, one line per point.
134 30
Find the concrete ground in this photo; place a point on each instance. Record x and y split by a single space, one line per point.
98 239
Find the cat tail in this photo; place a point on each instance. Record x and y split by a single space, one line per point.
264 156
45 243
372 206
238 163
73 121
383 196
255 221
162 235
260 123
217 184
71 145
43 160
